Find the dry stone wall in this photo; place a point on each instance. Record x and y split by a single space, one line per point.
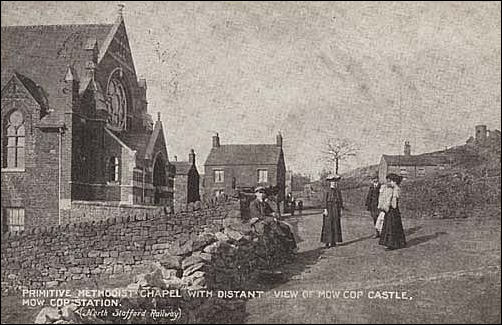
94 211
46 257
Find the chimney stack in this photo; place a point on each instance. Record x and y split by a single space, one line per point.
407 148
191 157
216 141
278 139
91 50
91 57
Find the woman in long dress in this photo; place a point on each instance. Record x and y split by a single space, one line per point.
392 235
331 226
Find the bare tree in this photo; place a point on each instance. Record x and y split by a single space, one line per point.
337 149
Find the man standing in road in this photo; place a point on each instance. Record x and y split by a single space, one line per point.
372 201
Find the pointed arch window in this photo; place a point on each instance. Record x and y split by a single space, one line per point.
15 141
117 100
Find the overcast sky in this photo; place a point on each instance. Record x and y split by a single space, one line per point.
376 73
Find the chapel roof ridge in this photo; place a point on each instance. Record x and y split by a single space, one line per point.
55 26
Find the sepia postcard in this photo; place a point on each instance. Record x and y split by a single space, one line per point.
250 162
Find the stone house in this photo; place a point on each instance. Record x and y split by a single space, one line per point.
412 166
244 166
75 126
186 181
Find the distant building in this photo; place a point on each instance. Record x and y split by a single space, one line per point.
202 191
412 166
289 182
244 166
186 181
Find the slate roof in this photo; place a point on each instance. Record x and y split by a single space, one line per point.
244 154
418 160
182 167
36 92
138 142
44 53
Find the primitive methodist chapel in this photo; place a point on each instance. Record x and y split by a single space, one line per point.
75 125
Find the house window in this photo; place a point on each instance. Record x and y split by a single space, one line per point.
403 171
15 141
219 176
421 171
14 219
262 176
113 170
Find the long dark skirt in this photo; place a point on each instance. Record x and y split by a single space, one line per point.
392 235
331 228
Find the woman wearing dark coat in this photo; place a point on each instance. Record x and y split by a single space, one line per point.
392 236
331 226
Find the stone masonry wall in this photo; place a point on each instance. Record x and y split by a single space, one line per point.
180 191
95 211
233 260
47 256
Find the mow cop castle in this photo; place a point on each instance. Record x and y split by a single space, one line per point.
75 125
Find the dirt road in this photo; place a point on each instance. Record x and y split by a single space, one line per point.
448 273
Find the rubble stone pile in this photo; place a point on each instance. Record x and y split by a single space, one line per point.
229 259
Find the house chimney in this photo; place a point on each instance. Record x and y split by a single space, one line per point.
191 157
91 58
216 141
91 50
278 139
407 148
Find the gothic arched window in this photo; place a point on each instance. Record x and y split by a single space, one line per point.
117 100
15 135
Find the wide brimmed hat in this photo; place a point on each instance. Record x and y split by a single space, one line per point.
394 177
333 177
259 189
